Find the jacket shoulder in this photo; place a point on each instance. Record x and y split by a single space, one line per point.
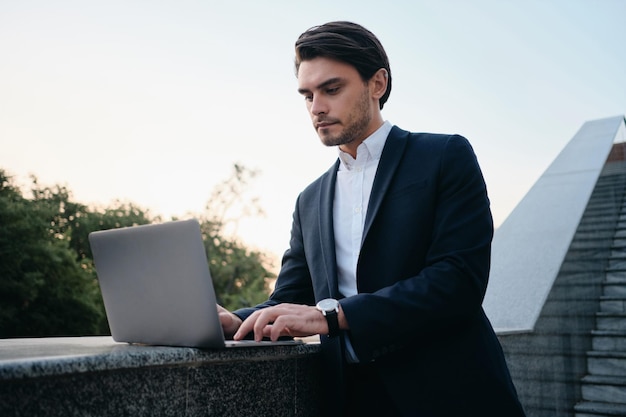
426 139
430 145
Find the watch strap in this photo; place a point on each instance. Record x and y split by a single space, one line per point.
332 318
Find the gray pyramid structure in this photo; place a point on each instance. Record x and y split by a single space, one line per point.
557 291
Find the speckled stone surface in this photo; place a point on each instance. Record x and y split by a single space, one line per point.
95 376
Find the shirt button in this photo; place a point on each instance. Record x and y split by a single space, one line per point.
357 210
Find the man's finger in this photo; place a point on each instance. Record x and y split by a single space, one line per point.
249 325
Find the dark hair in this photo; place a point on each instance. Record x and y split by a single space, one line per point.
346 42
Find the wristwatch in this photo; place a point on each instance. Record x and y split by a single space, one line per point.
330 309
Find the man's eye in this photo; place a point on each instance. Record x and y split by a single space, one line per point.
333 90
308 98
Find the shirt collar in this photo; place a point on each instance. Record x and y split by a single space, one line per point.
372 145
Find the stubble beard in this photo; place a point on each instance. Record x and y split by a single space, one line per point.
356 127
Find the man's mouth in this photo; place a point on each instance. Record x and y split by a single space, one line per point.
326 123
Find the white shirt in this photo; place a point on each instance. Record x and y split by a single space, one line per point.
355 178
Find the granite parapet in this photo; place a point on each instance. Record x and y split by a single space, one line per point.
97 376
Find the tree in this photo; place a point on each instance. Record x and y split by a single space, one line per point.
43 290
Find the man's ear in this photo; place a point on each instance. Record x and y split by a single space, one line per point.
378 83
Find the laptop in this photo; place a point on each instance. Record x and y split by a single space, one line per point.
157 287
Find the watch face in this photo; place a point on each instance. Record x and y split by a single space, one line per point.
328 304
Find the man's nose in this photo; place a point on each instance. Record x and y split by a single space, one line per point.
318 106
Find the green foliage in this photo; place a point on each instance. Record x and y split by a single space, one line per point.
43 290
48 284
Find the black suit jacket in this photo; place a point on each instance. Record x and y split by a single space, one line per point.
421 275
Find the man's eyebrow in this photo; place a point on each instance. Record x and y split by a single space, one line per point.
325 84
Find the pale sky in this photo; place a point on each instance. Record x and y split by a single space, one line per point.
154 101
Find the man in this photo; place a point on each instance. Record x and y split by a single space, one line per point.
393 244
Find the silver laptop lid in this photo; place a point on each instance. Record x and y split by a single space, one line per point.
156 285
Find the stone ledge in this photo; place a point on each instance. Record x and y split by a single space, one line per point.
31 358
97 376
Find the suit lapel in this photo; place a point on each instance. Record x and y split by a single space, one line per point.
326 231
389 160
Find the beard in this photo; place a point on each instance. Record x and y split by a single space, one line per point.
354 128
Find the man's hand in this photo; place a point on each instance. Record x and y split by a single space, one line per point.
283 320
230 322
